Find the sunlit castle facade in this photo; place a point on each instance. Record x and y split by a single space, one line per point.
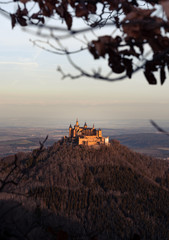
87 136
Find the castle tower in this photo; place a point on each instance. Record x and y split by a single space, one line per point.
74 133
85 125
99 133
70 130
76 128
77 123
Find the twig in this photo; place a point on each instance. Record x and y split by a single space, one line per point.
159 128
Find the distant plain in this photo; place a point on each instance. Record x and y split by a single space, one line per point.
144 139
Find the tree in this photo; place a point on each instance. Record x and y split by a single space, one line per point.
139 38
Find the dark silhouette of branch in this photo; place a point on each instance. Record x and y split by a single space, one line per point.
16 174
56 50
35 156
42 143
159 128
6 181
139 25
96 75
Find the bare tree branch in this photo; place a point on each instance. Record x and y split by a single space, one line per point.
139 25
159 128
6 181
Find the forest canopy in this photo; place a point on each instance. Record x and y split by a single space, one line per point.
136 38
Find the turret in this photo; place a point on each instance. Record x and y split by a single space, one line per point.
70 130
74 133
85 125
77 123
99 133
76 128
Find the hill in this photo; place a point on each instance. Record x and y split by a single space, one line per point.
76 192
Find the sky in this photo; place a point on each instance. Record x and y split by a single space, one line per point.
33 92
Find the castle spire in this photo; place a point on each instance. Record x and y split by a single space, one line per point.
77 123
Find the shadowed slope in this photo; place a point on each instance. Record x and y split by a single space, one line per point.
110 191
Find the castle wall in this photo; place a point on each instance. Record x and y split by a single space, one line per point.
106 140
90 140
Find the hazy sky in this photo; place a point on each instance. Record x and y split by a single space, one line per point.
30 87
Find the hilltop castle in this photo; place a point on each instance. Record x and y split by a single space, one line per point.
87 136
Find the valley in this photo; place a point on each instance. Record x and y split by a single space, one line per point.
143 140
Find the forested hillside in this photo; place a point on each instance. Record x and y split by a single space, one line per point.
86 193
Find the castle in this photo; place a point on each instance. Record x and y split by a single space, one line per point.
87 136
